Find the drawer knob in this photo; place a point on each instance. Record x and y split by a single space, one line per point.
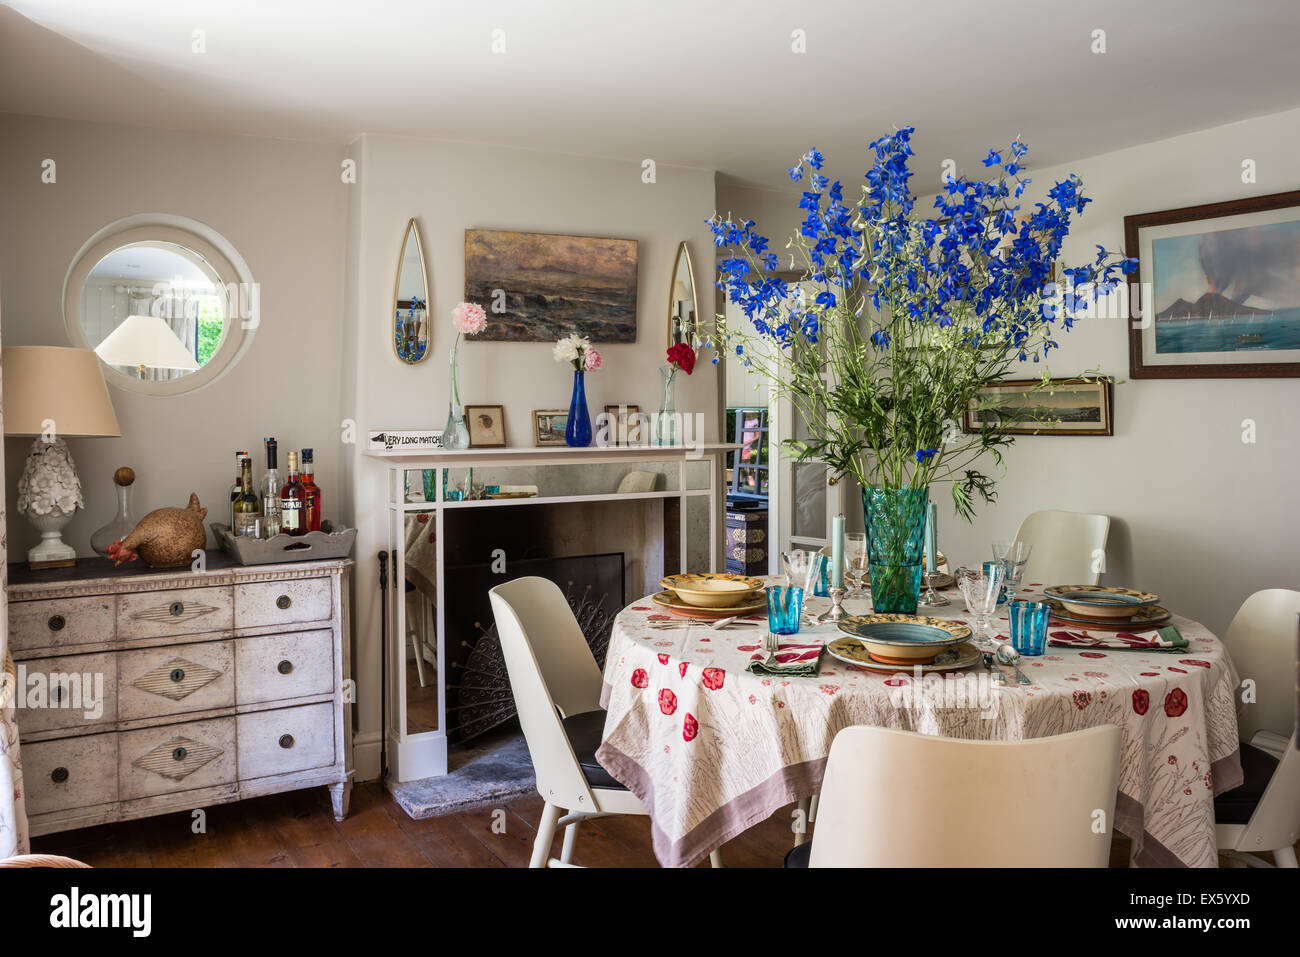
284 667
177 675
59 775
177 608
56 622
179 754
283 602
286 741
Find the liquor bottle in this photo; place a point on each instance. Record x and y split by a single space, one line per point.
247 510
313 507
236 488
293 501
270 493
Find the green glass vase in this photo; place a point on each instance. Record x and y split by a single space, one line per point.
895 519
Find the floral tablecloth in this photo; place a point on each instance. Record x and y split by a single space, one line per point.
712 750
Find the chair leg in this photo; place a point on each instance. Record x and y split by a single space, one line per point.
1285 857
801 835
570 838
545 835
715 858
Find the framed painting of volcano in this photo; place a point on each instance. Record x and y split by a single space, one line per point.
1219 288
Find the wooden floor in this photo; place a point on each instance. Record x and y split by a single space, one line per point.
297 830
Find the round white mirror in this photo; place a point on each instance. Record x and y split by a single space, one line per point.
167 304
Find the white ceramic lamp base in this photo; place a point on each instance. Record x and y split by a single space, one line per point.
51 552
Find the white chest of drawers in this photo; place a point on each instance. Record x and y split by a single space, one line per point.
144 692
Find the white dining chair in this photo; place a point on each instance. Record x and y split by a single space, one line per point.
895 798
1069 547
1263 813
556 683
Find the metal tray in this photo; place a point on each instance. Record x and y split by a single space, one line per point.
313 546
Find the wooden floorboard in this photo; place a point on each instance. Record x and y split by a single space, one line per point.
298 829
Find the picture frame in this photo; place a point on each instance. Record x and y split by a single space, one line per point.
1223 281
549 426
1083 406
628 423
487 426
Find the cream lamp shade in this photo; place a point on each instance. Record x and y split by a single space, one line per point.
680 292
145 342
53 384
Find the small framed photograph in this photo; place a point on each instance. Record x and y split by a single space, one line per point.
487 426
1027 407
549 426
624 424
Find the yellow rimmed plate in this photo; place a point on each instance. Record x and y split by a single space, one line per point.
712 589
851 651
1101 601
903 639
671 603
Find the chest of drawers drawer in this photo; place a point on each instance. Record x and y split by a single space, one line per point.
70 772
175 757
175 679
261 604
72 692
180 611
61 622
292 665
285 740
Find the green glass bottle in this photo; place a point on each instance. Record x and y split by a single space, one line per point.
247 509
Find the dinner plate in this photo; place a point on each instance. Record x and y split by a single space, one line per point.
671 603
1101 601
903 639
852 652
712 589
1143 616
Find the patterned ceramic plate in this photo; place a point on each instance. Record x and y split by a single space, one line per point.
852 652
670 602
1143 616
903 639
712 589
1101 601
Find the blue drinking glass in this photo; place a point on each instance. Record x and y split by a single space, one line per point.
1029 626
784 609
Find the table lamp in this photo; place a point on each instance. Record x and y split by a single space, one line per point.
146 342
52 393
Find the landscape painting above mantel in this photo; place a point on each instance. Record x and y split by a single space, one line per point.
540 287
1222 286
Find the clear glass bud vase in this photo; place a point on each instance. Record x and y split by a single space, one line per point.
667 425
455 434
121 526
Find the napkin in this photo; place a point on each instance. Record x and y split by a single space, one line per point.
1168 638
791 659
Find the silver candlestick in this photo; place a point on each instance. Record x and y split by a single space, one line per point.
837 606
932 597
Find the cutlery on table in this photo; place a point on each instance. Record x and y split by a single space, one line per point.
994 670
1008 655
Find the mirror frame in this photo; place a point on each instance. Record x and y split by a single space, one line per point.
201 240
411 227
683 252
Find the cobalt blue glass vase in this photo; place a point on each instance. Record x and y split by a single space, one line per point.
577 433
895 519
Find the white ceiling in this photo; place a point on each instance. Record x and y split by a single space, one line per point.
708 84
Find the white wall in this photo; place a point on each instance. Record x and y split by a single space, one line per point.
1197 516
280 203
450 187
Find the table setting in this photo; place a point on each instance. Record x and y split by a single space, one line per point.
724 692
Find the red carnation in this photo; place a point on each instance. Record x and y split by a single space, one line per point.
690 727
1141 701
1176 703
682 356
667 701
681 668
640 679
713 678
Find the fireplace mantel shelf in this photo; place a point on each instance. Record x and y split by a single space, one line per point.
545 455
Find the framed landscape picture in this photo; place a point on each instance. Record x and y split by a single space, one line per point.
549 426
540 287
1025 407
1223 281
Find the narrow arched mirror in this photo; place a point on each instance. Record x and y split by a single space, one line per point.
411 300
682 311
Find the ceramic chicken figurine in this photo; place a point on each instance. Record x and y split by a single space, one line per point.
165 538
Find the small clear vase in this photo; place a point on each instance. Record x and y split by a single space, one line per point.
120 527
895 519
577 431
455 434
667 425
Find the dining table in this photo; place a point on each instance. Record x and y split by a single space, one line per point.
712 749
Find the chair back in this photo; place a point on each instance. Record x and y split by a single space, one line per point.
898 799
1066 546
552 673
1262 643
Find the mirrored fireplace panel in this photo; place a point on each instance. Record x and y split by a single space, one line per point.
417 589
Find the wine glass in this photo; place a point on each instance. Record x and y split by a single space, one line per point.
855 562
980 589
1013 556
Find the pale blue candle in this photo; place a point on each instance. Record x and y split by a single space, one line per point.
931 539
837 552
